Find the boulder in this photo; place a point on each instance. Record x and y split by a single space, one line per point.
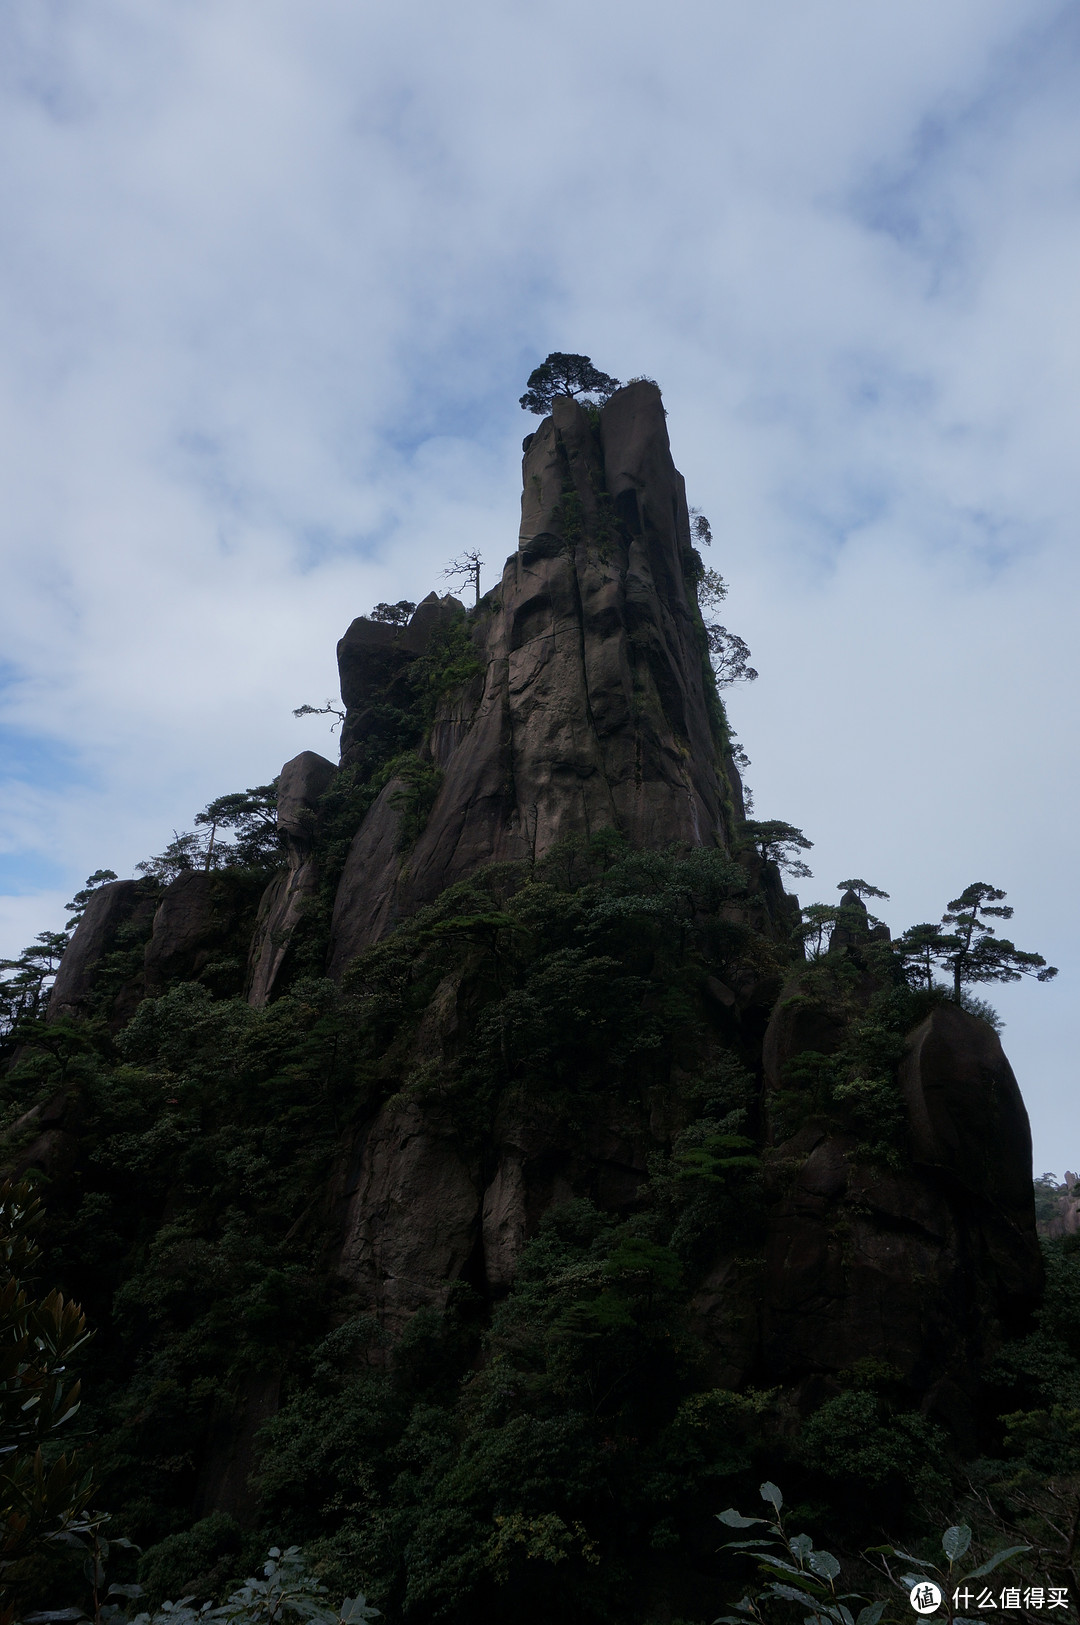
966 1112
285 904
300 784
925 1266
969 1129
373 661
108 908
192 920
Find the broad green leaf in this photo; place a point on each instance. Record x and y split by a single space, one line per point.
825 1564
801 1546
997 1559
870 1614
358 1608
789 1593
776 1565
735 1520
955 1541
770 1493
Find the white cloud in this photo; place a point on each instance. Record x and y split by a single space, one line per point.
273 279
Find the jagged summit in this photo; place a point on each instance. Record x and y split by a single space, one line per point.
592 705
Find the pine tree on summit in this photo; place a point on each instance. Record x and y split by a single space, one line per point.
565 375
965 946
980 956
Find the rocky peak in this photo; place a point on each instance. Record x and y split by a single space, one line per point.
592 705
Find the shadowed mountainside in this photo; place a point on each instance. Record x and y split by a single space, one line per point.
518 1052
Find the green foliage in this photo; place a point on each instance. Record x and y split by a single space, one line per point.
854 1088
530 1455
398 614
862 1438
285 1591
420 781
801 1575
25 983
44 1497
251 815
795 1572
730 656
777 842
969 951
565 375
77 906
200 1560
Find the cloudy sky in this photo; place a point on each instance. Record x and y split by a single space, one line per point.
273 277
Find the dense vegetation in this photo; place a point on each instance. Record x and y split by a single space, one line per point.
558 1450
562 1451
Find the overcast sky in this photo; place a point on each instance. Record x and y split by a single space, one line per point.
274 275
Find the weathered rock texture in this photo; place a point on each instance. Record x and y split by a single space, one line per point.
192 919
925 1267
592 707
109 908
1066 1220
588 707
291 893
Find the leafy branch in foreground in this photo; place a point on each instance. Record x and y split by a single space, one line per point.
285 1592
41 1503
803 1575
955 1543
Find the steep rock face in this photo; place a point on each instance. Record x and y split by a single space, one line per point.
926 1266
373 661
108 909
193 920
291 893
425 1207
592 709
411 1223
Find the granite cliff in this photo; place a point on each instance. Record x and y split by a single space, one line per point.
570 983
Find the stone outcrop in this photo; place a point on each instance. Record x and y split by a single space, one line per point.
1065 1221
413 1208
424 1208
374 658
926 1267
590 708
108 909
290 895
193 920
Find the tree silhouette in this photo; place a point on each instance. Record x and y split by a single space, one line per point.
861 888
966 947
777 842
466 567
565 375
